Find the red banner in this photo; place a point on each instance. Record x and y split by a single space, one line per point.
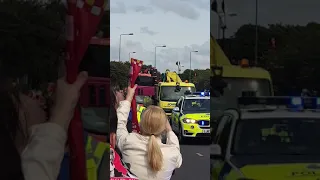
118 169
82 21
134 72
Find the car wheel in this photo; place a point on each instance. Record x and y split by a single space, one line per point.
180 135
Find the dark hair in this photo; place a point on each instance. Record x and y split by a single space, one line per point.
113 112
9 126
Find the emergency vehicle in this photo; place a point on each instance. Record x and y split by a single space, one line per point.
268 138
240 77
190 117
237 77
228 81
170 90
147 81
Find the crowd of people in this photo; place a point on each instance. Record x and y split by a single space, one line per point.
144 153
35 145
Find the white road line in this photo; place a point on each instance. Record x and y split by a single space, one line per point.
199 154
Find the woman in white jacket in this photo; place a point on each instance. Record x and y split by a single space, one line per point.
148 157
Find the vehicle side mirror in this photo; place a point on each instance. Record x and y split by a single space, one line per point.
215 152
176 109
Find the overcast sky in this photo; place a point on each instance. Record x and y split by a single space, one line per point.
269 12
181 25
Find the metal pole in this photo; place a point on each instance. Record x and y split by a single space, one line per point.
219 26
256 38
224 31
119 47
190 68
155 57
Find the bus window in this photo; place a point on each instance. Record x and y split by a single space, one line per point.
92 95
102 95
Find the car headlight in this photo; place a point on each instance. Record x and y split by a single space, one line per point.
189 121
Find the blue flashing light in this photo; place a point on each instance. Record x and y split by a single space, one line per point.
318 103
293 103
296 101
202 93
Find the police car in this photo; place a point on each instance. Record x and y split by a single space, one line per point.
268 138
191 116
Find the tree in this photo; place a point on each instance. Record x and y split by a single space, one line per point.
119 73
32 38
293 62
200 77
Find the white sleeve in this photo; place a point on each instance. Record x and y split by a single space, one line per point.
41 159
172 139
122 115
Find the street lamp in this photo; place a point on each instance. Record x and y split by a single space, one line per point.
190 65
155 54
224 25
256 38
130 55
129 34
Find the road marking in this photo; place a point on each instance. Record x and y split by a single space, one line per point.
199 154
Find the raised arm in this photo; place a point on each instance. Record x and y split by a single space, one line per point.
172 139
123 114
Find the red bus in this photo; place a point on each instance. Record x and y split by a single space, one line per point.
95 94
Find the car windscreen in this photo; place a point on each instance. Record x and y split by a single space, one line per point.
277 136
145 81
196 105
169 93
235 86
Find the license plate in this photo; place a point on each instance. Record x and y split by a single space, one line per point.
206 131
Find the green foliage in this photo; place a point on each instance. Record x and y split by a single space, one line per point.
295 61
200 77
119 73
32 38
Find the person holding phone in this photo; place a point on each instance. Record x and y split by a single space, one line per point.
34 146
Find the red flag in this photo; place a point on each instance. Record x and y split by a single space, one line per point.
135 69
82 19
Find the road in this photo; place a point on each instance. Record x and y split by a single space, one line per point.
196 163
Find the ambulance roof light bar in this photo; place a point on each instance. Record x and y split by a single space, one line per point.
287 101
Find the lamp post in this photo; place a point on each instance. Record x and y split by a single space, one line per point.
155 54
128 34
130 55
190 65
256 36
223 25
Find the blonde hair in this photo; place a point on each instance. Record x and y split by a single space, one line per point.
153 123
